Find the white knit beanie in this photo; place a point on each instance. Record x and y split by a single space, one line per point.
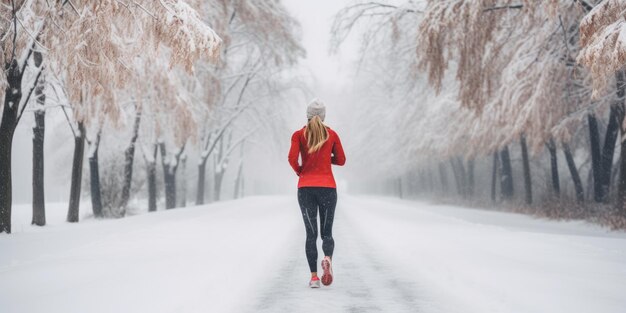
316 107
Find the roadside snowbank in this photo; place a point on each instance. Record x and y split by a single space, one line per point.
199 259
482 261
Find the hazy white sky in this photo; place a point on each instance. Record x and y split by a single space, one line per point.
330 75
316 18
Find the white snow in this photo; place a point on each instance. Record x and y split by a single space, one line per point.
248 256
201 259
478 261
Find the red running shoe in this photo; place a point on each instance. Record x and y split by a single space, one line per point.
327 277
315 282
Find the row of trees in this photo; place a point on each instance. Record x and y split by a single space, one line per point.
469 79
148 77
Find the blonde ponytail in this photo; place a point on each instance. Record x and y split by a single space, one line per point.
316 134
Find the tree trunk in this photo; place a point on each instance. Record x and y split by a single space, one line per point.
39 202
470 177
616 170
621 193
220 168
183 187
602 161
77 174
594 139
170 188
608 150
152 187
169 179
556 185
129 159
527 177
457 176
462 176
578 185
239 182
443 178
218 184
6 138
506 180
12 98
94 178
494 177
201 181
240 174
616 116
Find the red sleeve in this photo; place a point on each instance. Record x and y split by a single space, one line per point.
294 152
339 158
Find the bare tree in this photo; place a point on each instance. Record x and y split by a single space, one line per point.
39 201
129 157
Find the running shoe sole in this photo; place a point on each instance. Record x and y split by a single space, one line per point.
327 277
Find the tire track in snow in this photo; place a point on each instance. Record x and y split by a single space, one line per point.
364 281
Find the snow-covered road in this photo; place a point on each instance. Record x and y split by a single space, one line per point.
248 256
365 279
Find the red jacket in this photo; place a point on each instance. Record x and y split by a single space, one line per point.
315 170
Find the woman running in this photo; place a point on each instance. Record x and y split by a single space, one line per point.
319 147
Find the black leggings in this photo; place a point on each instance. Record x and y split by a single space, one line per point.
310 198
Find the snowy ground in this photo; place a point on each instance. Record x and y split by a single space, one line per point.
248 256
